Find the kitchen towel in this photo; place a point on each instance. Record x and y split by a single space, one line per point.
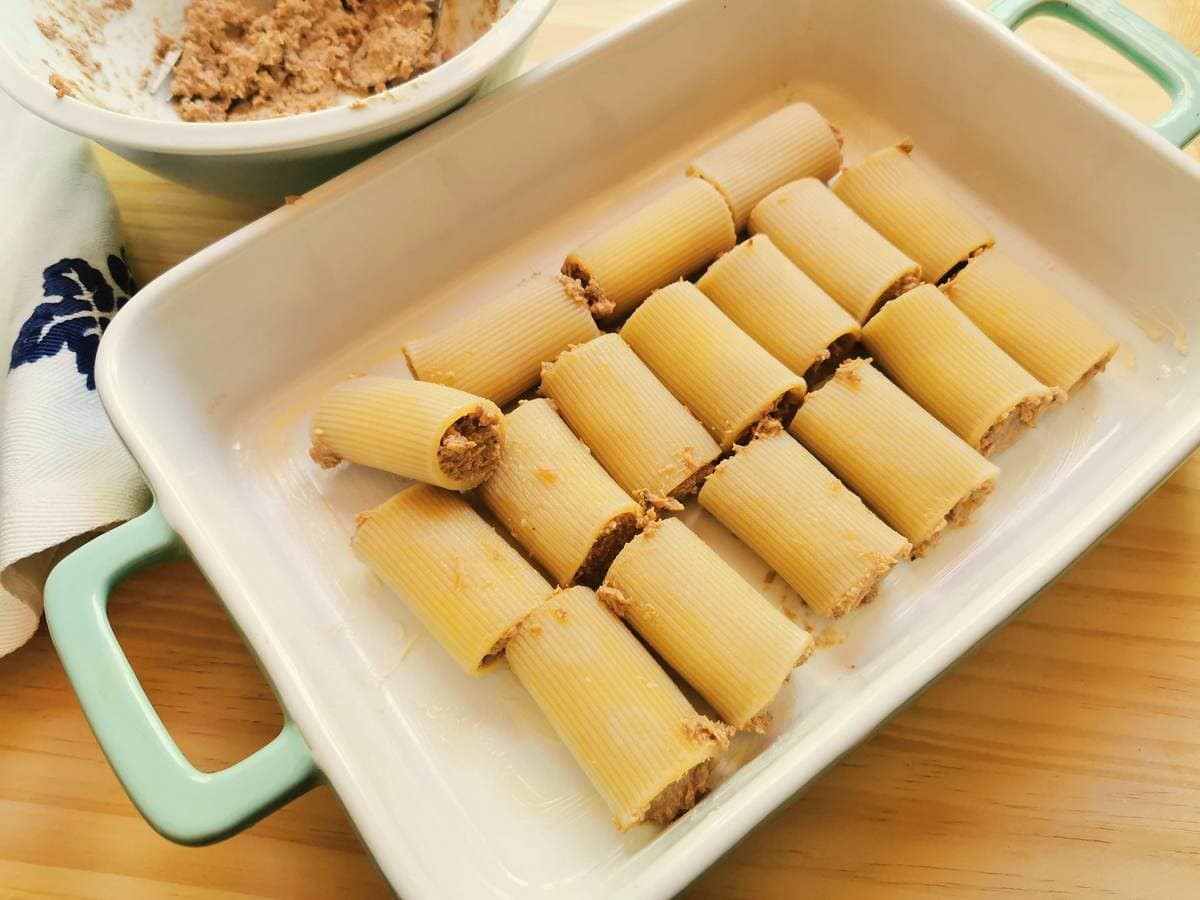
64 474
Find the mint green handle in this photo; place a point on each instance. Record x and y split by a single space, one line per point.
181 802
1153 51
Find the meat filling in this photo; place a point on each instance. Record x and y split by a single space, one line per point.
238 62
1005 432
616 534
470 448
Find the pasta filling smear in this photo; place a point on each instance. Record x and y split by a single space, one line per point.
959 515
1099 366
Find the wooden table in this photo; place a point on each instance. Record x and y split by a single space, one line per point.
1062 757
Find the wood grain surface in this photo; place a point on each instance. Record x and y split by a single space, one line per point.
1062 757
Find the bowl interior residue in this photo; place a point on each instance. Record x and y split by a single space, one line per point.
105 53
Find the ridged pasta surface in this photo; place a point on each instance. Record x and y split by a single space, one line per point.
779 500
793 142
850 260
1037 326
626 723
899 199
669 238
773 301
465 583
705 620
402 426
727 380
912 470
643 436
945 363
497 351
553 496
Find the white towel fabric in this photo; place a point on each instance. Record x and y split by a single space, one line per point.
63 472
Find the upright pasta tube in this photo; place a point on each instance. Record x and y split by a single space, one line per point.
784 310
700 616
913 471
789 509
849 259
417 429
497 351
951 368
465 583
668 238
1030 321
638 739
643 436
902 203
793 142
556 499
726 380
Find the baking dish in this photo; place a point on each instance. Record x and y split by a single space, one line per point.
458 786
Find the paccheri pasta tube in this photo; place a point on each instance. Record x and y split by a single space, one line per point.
913 471
556 499
417 429
700 616
465 583
789 509
669 238
1031 322
498 350
903 204
638 739
793 142
849 259
953 369
784 310
643 436
726 380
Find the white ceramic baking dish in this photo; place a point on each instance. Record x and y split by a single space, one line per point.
458 786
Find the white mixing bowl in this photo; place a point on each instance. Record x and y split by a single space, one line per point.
265 158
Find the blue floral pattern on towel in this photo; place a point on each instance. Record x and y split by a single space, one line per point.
81 304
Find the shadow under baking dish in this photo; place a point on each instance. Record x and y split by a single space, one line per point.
458 784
